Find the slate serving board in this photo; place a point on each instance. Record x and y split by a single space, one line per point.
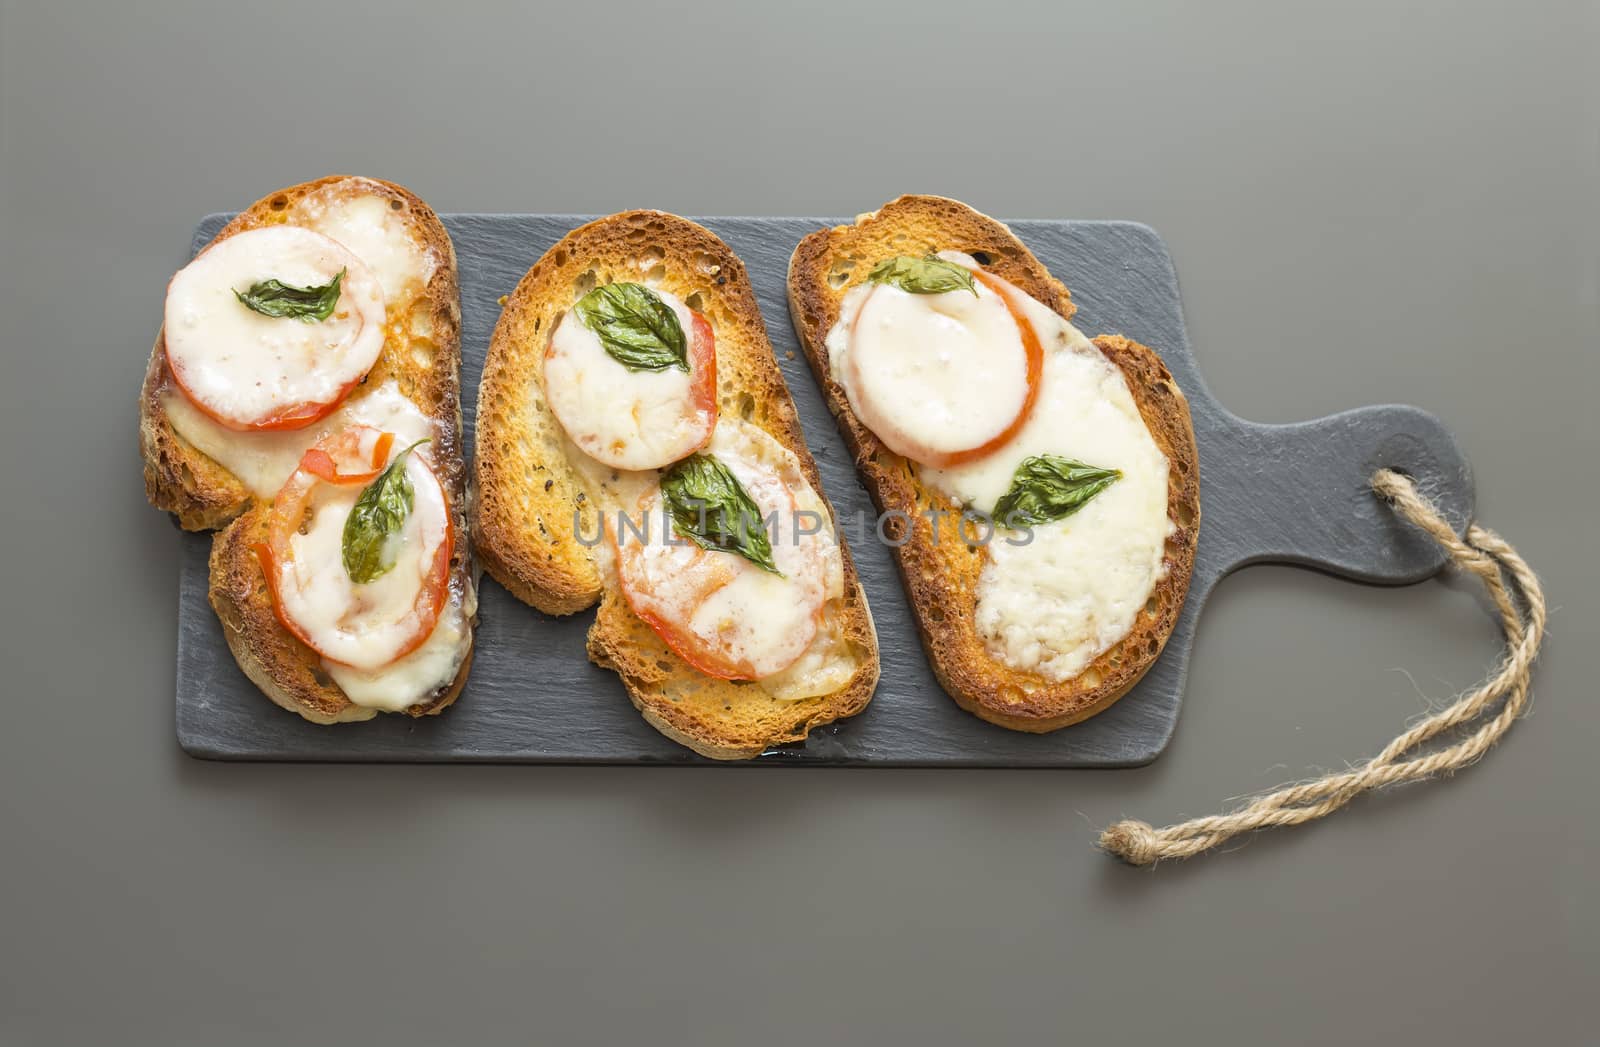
1269 493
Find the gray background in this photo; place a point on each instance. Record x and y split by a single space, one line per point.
1364 204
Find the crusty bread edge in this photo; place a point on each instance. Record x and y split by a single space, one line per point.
846 702
554 591
203 495
977 688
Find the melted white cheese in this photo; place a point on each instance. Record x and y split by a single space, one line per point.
1054 604
416 677
824 667
624 418
371 227
359 215
248 367
828 662
729 605
931 375
264 460
365 625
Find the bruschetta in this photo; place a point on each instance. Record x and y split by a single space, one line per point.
637 448
303 401
1047 483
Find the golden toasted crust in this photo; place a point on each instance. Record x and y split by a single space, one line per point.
286 670
421 354
941 578
528 490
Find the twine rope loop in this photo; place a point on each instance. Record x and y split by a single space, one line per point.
1493 706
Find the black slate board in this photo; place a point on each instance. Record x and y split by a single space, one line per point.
1280 493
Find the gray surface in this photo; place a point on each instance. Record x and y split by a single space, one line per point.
1288 493
1371 202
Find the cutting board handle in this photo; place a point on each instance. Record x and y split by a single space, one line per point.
1300 493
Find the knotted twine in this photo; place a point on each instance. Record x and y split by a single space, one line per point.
1484 554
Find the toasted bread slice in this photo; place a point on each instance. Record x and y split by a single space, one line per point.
529 485
421 356
941 579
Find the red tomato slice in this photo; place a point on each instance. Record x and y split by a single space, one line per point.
633 422
1033 355
297 417
320 462
698 657
703 364
666 584
288 515
249 372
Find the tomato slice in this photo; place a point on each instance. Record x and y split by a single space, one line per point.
291 511
696 654
666 584
1035 356
253 370
320 461
297 417
632 421
703 364
883 409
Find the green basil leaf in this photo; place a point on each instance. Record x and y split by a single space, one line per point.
379 514
711 508
638 329
1048 487
930 275
277 299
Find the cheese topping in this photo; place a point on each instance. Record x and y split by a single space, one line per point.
264 461
720 611
378 233
368 625
252 370
932 375
828 663
380 617
823 668
1052 599
625 418
417 676
380 248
